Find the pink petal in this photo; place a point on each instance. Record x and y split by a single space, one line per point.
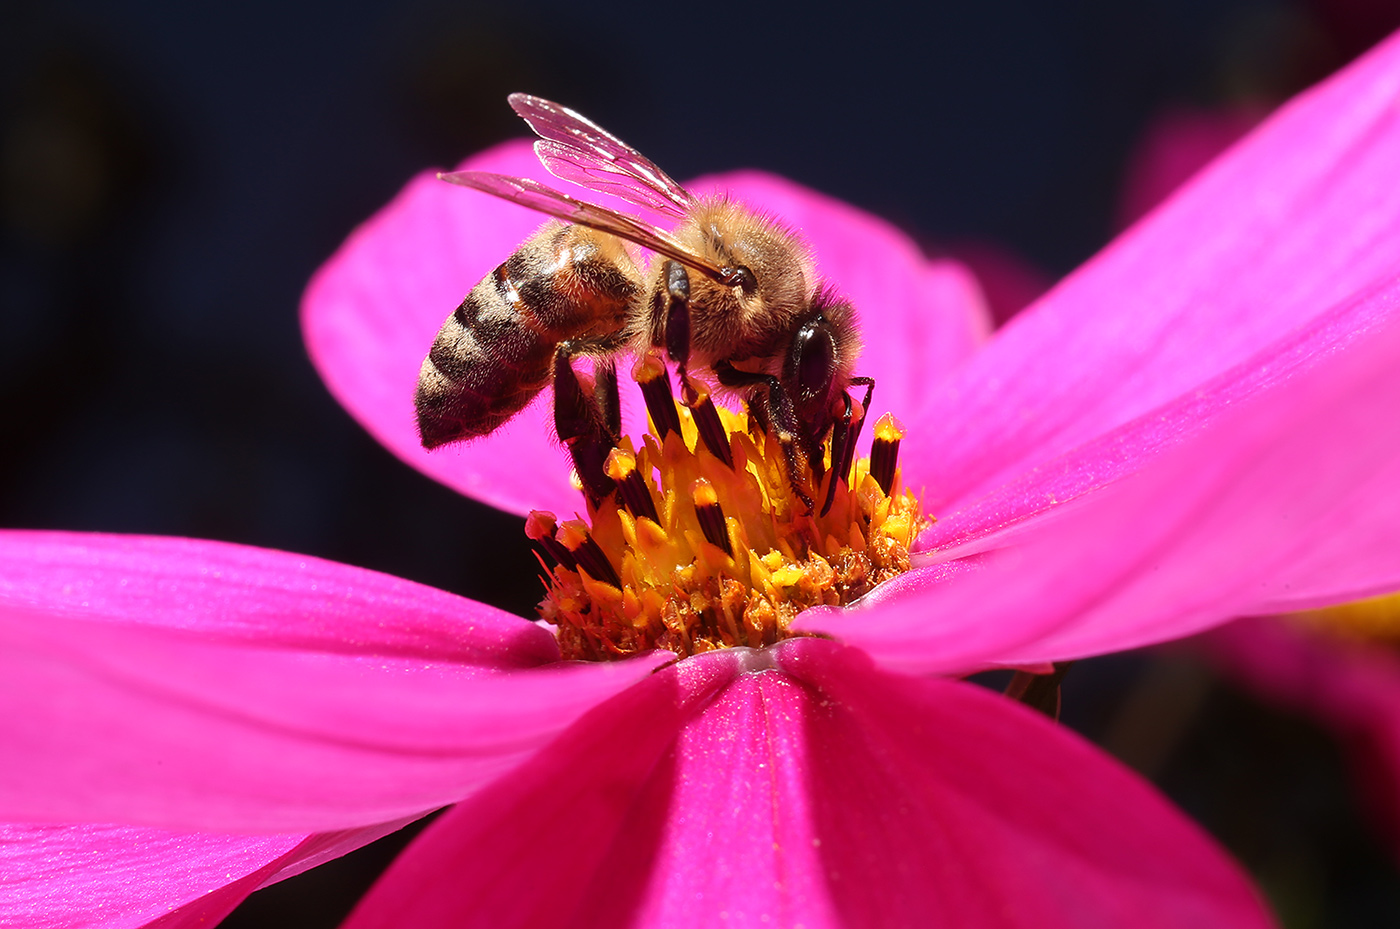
371 312
1292 497
1269 244
821 793
572 819
939 803
120 876
225 592
1132 446
740 803
1351 686
184 706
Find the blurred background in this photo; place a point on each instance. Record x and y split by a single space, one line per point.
171 175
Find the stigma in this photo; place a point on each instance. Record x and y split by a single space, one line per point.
705 544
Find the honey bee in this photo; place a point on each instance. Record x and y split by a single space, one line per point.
732 298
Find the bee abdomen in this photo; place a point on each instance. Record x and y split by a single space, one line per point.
485 365
495 352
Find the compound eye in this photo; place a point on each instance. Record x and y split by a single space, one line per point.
816 361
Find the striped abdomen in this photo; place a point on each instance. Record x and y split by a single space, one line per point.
495 352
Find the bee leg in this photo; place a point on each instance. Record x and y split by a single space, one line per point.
869 384
677 338
608 398
585 425
782 420
677 332
844 433
842 443
758 418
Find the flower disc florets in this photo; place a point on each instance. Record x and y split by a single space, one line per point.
692 553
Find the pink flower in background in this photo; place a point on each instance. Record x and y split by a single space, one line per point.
1342 680
1176 144
1008 283
1192 426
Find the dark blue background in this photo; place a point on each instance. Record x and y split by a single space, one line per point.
172 174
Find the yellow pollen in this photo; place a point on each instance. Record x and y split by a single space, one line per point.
733 553
620 463
705 493
572 535
889 429
648 368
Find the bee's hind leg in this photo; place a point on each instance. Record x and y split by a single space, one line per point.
588 422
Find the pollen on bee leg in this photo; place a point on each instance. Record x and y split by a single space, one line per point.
884 451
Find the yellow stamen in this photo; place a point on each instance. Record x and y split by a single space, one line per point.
728 554
884 452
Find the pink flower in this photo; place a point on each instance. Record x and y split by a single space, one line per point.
1195 425
1339 679
1336 666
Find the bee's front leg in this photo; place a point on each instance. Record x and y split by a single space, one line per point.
677 327
782 422
608 398
845 430
672 305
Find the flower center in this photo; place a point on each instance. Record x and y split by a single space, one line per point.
706 544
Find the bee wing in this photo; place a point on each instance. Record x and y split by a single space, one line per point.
575 148
537 196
